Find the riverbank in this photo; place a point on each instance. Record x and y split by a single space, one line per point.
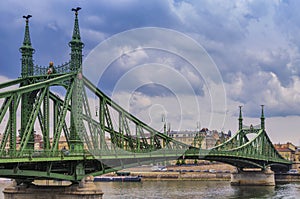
212 171
286 178
202 172
182 176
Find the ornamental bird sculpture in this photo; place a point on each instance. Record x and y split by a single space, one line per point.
27 17
76 9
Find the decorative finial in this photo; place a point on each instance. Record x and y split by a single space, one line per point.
262 118
76 32
27 41
240 107
76 10
76 44
240 118
27 51
262 111
27 17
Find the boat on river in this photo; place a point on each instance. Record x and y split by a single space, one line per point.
117 179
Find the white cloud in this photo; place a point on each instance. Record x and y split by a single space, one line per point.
265 88
129 56
92 35
183 110
95 20
139 101
255 44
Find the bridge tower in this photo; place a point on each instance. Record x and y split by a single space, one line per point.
28 99
35 104
263 177
27 51
76 46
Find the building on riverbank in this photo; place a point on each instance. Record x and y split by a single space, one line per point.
287 150
290 152
204 138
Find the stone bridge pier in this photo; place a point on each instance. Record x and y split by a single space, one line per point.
264 177
86 189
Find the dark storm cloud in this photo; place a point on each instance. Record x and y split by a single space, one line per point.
254 42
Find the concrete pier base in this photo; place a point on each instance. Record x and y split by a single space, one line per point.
84 190
253 178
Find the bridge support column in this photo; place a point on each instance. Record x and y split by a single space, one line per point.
254 178
84 190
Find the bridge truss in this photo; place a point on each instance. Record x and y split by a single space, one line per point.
113 139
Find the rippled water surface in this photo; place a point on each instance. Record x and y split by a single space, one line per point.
196 189
191 189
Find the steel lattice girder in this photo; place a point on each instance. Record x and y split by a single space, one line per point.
259 148
37 86
241 154
140 124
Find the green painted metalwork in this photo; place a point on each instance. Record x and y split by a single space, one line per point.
45 124
61 118
27 70
59 69
27 52
77 102
113 140
262 118
259 151
240 119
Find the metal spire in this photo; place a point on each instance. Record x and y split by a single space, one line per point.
77 126
262 118
27 41
76 44
27 51
28 99
240 119
76 32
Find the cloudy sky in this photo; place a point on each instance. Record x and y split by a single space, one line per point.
191 61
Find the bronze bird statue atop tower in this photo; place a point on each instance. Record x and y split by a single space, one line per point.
27 17
76 9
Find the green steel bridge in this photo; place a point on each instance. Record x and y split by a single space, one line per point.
96 145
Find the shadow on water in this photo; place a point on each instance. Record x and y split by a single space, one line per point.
253 192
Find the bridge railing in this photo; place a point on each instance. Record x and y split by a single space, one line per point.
27 153
116 153
120 153
59 69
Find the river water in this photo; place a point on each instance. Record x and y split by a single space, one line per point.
191 189
196 189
